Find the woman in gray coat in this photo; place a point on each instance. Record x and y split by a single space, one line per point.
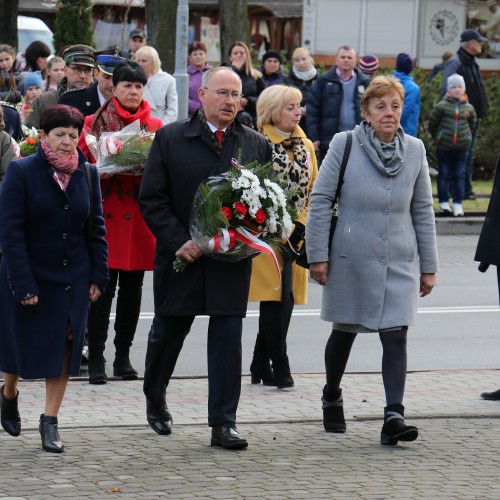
383 252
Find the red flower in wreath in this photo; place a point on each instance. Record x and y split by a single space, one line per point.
240 208
228 213
260 216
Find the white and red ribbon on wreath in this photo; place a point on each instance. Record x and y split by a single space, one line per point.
226 240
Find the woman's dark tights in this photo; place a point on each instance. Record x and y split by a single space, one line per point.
394 361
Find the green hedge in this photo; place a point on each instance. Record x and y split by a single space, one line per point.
488 143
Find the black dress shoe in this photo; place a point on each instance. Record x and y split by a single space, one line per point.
10 418
227 436
159 418
491 396
51 441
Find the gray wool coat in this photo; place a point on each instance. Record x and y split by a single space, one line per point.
384 239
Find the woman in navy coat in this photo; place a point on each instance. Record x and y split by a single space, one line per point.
54 263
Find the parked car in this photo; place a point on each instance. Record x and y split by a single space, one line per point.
30 29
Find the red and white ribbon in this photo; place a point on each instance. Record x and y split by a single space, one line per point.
223 241
226 239
253 241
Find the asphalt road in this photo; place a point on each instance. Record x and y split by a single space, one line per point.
458 325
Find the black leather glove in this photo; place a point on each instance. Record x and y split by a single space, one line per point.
298 234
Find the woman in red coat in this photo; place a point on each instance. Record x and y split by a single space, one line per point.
131 244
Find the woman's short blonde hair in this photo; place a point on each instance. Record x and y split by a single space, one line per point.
302 52
151 53
272 100
379 87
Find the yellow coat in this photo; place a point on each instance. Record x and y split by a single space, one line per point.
264 275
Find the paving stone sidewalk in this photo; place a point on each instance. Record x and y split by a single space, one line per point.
111 453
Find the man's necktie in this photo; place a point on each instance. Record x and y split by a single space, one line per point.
219 135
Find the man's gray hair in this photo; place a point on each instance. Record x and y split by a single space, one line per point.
208 75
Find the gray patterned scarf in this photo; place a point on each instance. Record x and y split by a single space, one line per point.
389 157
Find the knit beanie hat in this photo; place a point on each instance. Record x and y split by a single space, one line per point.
404 64
33 79
269 54
369 64
455 80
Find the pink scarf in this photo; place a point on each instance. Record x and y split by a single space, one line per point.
63 166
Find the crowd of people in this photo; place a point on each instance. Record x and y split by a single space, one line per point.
86 236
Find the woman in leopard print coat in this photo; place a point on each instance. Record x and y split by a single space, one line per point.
294 161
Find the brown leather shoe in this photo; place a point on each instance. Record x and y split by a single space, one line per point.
226 436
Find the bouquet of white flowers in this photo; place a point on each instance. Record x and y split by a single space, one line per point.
240 213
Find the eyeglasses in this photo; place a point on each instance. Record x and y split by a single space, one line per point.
225 94
81 69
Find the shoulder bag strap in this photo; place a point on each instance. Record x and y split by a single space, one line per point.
343 166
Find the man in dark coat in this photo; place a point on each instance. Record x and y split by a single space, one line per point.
333 103
464 63
184 154
488 247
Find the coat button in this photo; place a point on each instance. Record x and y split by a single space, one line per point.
383 237
383 262
64 262
127 216
64 236
66 207
388 187
108 216
386 212
67 288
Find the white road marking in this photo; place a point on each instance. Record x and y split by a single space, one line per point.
254 313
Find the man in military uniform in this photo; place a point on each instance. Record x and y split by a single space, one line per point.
88 100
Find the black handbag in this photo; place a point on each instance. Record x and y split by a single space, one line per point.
302 255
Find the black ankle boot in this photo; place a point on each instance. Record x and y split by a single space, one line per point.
394 428
333 411
281 370
10 418
122 367
260 368
50 435
97 368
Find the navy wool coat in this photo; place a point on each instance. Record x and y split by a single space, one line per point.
46 253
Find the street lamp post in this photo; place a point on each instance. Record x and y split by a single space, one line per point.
180 73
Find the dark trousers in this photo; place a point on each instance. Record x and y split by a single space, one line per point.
165 342
128 309
451 174
469 166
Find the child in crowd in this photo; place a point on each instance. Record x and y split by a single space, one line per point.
55 73
450 124
33 87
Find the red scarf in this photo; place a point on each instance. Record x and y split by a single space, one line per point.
112 117
63 166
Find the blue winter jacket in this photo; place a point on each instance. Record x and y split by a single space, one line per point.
411 109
